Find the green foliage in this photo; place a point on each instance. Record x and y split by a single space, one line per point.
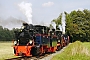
6 34
6 51
74 51
78 25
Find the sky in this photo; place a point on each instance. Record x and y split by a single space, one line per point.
43 11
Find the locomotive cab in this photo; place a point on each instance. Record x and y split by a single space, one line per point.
52 41
41 39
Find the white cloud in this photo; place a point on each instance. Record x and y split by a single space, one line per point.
48 4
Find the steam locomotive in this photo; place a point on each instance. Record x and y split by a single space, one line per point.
34 40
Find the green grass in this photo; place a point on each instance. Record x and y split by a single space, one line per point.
6 50
75 51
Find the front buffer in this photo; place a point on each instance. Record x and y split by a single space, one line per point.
22 50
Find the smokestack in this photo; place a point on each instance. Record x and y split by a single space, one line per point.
63 23
26 8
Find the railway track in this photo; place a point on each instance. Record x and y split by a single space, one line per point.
29 58
42 57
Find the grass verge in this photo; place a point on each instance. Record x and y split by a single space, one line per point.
75 51
6 50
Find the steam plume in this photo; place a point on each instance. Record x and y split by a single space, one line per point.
60 27
63 23
11 22
27 10
54 25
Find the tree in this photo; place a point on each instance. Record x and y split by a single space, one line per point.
6 34
78 25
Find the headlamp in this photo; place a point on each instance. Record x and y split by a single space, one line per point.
30 41
15 42
58 40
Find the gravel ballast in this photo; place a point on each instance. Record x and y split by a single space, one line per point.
51 55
